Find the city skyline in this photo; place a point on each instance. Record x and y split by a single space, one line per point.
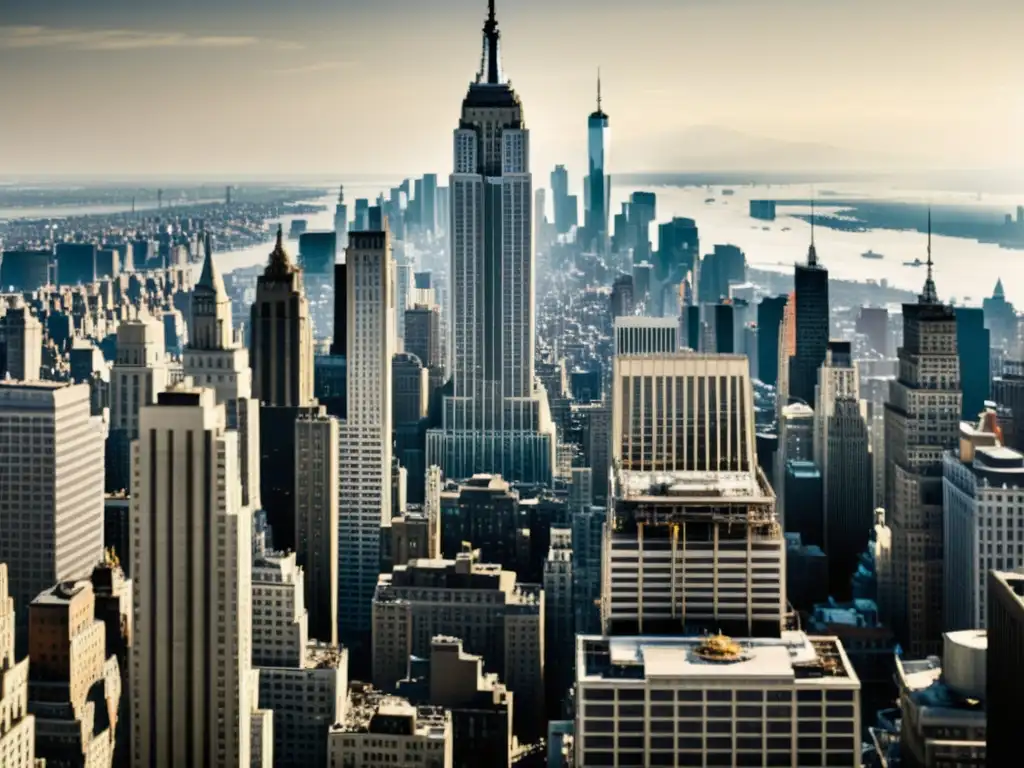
818 99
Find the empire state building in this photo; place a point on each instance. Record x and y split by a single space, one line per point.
496 419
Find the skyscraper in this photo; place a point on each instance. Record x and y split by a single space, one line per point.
192 688
1005 662
922 420
564 205
340 223
811 284
24 335
17 727
216 358
769 319
51 487
364 436
598 181
494 421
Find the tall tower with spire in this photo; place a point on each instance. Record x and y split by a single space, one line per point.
812 330
922 421
216 358
340 224
598 182
496 419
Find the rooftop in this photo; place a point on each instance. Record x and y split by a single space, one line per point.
794 656
689 484
367 705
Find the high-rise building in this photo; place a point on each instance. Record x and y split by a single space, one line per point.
564 205
194 699
786 701
922 420
873 322
24 335
842 453
1005 662
316 519
51 487
113 600
559 621
496 616
646 335
769 320
598 181
973 349
678 256
75 263
140 373
340 224
364 455
494 421
811 305
983 513
410 396
281 345
17 726
75 687
688 496
215 357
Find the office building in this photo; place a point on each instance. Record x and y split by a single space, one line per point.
281 342
873 323
75 263
25 270
316 519
842 454
387 730
410 396
942 704
769 319
688 495
140 373
364 455
194 700
415 535
340 224
812 329
565 212
646 335
113 599
1005 661
215 357
677 259
788 700
303 683
496 617
559 620
804 495
24 348
75 687
598 181
983 520
17 726
494 420
973 349
922 420
317 254
51 489
1008 393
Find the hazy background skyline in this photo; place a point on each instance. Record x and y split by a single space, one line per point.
333 87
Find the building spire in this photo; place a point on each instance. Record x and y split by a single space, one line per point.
930 295
210 278
812 252
279 261
490 61
598 89
341 194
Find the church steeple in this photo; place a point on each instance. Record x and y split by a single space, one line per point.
490 60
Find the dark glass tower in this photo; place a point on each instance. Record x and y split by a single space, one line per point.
811 288
598 181
973 347
769 318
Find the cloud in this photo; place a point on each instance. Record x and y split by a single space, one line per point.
77 39
316 66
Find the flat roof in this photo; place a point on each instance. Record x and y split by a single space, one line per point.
689 483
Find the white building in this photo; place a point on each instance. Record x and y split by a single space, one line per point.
279 622
192 689
983 521
215 357
675 701
17 726
51 487
364 455
692 540
497 421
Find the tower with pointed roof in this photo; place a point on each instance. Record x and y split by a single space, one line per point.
598 183
340 224
812 329
281 343
494 420
216 358
922 421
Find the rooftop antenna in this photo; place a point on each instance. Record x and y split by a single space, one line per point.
930 295
812 253
598 89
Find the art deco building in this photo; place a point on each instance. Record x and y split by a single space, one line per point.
192 688
692 541
496 419
811 305
922 421
365 447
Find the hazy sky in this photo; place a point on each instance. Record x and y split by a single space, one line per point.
335 87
